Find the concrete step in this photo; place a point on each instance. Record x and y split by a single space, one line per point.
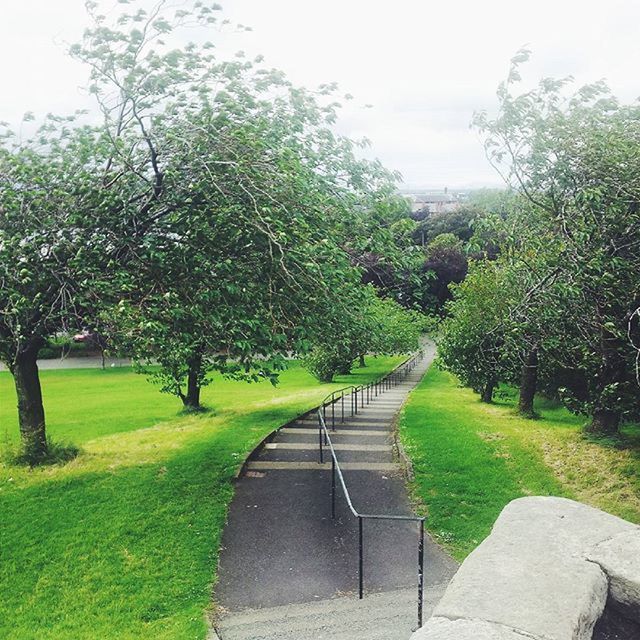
373 423
386 467
390 615
344 438
381 433
311 454
303 446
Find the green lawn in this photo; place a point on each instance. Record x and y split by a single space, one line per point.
471 459
123 541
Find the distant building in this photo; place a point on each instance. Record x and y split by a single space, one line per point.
427 203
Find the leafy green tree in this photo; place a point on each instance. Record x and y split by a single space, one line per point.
240 204
471 339
363 323
458 222
397 330
446 263
237 282
574 157
50 251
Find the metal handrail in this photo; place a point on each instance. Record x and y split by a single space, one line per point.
323 435
370 389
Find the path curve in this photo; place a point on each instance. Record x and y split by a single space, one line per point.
280 546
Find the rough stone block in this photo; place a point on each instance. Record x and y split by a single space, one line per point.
514 584
545 572
619 558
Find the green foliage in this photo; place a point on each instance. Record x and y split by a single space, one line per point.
242 208
574 158
63 346
394 329
326 361
459 222
471 338
361 323
203 225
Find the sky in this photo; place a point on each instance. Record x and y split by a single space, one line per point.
424 66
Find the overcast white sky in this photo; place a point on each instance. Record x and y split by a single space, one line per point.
425 66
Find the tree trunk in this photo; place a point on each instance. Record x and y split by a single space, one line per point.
487 391
361 362
344 369
604 422
30 407
192 398
528 385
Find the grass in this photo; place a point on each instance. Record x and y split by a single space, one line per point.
122 542
470 459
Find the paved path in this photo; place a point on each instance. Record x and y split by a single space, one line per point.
281 547
90 362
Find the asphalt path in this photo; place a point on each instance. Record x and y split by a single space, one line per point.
281 545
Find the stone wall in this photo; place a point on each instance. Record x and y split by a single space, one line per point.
546 572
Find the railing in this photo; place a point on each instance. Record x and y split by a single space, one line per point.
357 395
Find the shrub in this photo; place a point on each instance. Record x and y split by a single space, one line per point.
324 362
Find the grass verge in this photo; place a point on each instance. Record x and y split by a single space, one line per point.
122 542
470 459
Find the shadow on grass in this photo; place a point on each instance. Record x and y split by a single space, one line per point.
195 411
58 453
628 439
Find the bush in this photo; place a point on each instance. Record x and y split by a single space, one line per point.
325 362
63 345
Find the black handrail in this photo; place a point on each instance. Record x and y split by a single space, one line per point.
369 390
387 381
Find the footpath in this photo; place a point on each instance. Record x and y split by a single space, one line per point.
288 570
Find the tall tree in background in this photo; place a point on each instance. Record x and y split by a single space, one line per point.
472 337
210 217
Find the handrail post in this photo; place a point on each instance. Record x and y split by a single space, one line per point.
320 440
333 488
420 573
355 391
333 413
360 560
342 420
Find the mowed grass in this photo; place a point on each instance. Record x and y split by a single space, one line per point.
470 459
123 541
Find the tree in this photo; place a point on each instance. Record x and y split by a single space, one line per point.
363 323
446 262
237 281
239 201
458 222
49 253
471 339
574 157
